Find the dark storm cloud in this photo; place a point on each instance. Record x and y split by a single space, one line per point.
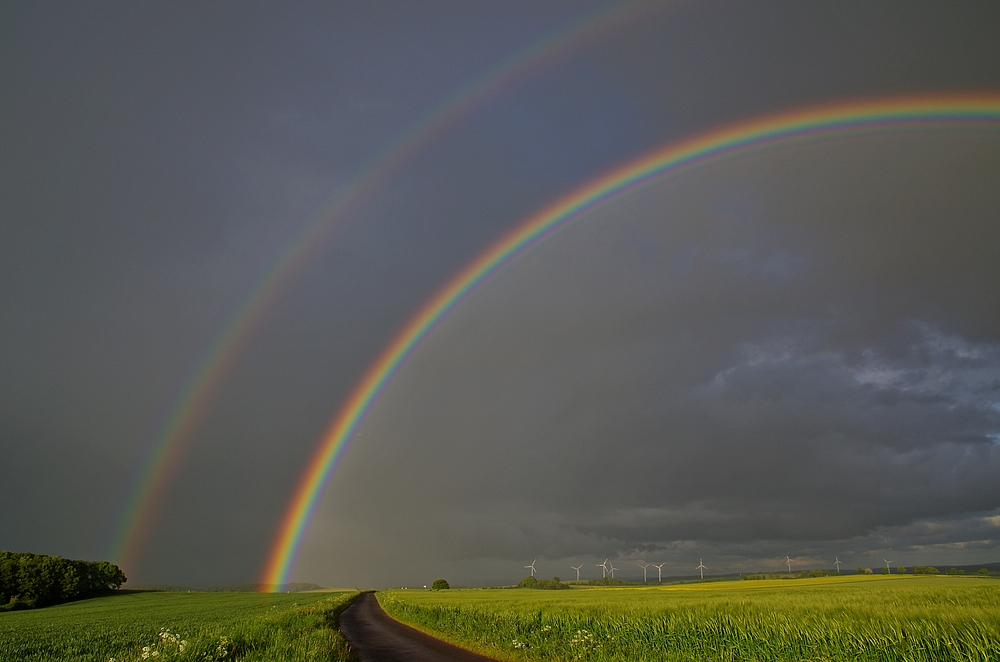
156 159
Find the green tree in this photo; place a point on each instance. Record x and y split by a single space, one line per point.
30 582
440 585
69 583
105 575
37 580
8 576
984 571
527 582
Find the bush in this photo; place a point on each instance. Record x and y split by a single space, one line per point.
440 585
527 582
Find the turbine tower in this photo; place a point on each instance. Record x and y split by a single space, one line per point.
643 572
788 562
659 571
837 563
887 569
612 570
577 568
531 567
702 567
604 568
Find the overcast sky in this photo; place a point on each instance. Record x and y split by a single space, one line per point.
792 352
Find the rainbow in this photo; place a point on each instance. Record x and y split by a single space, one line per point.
166 449
809 124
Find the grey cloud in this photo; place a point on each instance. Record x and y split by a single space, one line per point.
650 375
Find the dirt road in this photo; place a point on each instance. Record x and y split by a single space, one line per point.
377 638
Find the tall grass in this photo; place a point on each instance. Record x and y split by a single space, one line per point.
248 627
830 619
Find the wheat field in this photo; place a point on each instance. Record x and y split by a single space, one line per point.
835 618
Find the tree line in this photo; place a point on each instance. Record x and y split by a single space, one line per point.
38 580
548 584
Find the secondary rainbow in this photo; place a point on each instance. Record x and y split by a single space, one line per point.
874 115
166 449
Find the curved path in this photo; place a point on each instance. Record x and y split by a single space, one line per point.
376 637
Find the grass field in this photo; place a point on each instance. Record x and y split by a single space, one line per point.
189 626
835 618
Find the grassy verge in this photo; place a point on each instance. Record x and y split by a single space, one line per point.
248 627
837 618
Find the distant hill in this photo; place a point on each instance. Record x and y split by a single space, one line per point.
292 587
971 569
994 568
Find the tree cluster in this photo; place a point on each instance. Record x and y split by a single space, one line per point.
547 584
813 573
440 585
925 570
37 580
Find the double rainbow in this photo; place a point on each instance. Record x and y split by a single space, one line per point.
801 125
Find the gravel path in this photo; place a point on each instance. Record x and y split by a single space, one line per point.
377 638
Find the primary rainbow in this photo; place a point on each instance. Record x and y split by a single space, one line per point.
807 124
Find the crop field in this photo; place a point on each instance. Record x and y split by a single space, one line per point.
834 618
182 626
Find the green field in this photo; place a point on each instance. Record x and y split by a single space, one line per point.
835 618
189 626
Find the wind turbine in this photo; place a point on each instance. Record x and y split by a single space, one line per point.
644 572
659 571
531 567
612 570
577 568
604 568
837 563
702 567
887 570
788 562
